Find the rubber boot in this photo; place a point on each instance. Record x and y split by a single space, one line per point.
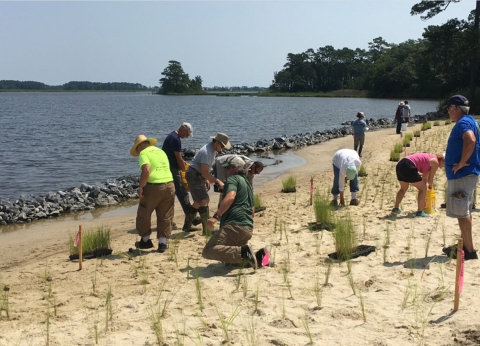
204 214
187 225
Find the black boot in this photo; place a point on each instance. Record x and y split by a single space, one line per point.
204 215
187 225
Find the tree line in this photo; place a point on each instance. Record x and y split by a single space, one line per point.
84 86
441 62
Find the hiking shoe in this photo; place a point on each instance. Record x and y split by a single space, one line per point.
334 203
162 247
421 214
144 244
396 211
249 256
451 252
263 257
354 202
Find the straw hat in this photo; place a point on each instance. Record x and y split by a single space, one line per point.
401 104
140 139
222 138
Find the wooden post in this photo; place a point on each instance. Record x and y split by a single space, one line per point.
456 302
311 190
80 248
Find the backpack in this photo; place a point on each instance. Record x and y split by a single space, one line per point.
399 114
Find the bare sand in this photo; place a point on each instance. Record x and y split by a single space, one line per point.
401 294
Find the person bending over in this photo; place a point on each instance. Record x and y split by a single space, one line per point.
346 164
408 173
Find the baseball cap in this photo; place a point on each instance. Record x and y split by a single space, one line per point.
351 172
235 162
457 100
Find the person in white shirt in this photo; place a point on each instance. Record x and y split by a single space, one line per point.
346 164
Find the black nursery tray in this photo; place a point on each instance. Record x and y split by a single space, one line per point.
98 253
259 209
289 190
317 226
362 250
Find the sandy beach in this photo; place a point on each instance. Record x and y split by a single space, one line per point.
402 294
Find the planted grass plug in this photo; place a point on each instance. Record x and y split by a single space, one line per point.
323 213
289 184
95 243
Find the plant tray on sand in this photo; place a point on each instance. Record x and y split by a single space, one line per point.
360 250
318 226
95 243
289 184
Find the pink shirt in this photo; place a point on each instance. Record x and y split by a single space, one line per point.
421 161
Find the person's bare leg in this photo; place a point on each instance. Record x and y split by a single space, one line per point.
466 229
401 193
422 188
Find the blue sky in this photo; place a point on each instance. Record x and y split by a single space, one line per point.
227 43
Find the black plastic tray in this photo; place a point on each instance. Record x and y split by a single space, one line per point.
362 250
98 253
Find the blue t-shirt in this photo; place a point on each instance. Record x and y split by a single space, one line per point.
206 155
453 153
359 128
171 144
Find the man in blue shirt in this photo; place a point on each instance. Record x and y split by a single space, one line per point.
462 167
172 146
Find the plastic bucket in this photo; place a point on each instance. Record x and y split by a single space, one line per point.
430 201
404 126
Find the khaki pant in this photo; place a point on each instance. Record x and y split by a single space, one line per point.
225 244
161 198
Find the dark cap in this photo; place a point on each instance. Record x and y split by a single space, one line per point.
457 100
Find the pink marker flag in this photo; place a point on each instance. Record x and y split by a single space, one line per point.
266 259
77 237
461 276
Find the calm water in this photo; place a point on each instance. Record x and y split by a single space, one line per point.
53 141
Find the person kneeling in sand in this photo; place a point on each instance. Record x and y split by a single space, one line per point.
346 164
230 243
408 170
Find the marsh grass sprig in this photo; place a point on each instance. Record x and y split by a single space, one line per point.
257 200
108 307
249 329
328 271
47 326
198 288
351 282
156 321
226 322
361 301
245 286
317 291
173 248
306 326
256 298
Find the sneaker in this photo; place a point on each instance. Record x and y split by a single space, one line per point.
144 244
354 202
263 257
396 211
162 247
249 256
334 203
421 214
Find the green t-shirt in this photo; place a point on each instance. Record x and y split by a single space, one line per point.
159 166
240 212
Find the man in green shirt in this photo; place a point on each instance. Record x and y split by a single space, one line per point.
230 243
156 192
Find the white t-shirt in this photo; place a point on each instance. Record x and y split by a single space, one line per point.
342 159
406 111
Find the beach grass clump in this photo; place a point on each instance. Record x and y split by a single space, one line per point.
289 184
426 126
362 172
436 123
92 241
406 141
394 156
448 122
398 148
417 133
345 238
257 200
323 209
409 135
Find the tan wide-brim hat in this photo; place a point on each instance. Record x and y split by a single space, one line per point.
140 139
222 138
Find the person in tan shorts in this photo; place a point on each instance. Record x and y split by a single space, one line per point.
156 192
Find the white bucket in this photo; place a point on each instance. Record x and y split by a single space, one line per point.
404 126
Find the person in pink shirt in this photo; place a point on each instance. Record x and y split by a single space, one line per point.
408 172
